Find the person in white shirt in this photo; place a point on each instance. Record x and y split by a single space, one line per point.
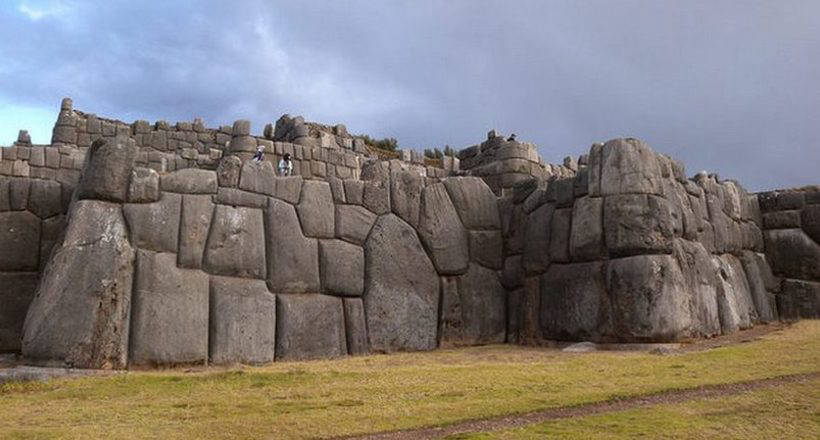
260 154
285 166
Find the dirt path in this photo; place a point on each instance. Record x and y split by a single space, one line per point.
517 420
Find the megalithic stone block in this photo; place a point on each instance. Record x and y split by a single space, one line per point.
108 169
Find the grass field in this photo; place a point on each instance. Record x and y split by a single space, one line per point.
400 391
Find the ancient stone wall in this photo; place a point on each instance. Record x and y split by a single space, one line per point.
172 248
791 232
36 185
239 265
631 250
503 163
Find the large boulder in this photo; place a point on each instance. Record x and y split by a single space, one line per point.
696 265
401 289
637 224
293 260
486 248
16 292
155 226
107 171
236 243
573 302
475 202
474 308
353 223
242 321
735 305
342 267
45 198
799 299
356 326
316 209
442 232
194 224
80 314
629 166
258 177
649 299
586 240
793 254
560 235
761 283
810 220
537 239
169 320
190 181
405 195
309 327
19 230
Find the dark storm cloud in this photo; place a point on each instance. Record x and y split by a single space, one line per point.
727 86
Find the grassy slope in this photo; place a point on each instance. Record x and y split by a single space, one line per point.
373 393
789 412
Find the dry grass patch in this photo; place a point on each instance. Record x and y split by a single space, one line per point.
375 393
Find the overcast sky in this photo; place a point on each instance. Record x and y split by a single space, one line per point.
728 86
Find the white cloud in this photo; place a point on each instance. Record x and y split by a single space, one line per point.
36 11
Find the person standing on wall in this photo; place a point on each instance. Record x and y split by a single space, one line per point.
260 154
285 166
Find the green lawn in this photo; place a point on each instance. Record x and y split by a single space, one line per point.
788 412
380 392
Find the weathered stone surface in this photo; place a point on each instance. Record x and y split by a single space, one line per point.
169 320
19 232
699 272
237 197
52 230
108 169
16 292
289 188
513 229
354 191
799 299
474 201
735 305
194 225
227 172
293 260
401 289
586 240
356 326
810 220
315 210
512 275
405 194
474 311
342 268
19 189
353 223
5 204
573 302
144 186
45 198
760 279
793 254
442 232
236 243
629 166
258 177
486 248
309 327
337 189
649 299
189 181
242 321
80 314
637 224
155 226
560 235
376 195
781 219
537 238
